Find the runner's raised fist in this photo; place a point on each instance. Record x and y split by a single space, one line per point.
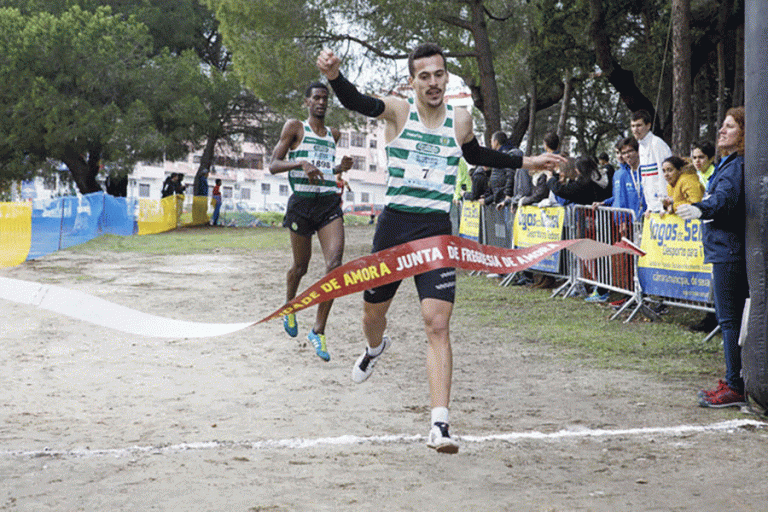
328 64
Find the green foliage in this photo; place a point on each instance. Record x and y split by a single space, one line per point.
271 55
86 83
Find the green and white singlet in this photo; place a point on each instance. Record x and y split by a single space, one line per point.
422 165
320 152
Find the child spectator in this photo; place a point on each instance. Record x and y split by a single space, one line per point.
683 185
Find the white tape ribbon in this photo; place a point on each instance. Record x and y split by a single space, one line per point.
83 306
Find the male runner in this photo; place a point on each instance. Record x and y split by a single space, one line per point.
425 138
306 151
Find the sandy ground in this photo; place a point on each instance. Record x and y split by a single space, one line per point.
92 419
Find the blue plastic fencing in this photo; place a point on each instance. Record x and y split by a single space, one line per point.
67 221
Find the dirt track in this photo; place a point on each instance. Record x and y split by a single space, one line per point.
93 419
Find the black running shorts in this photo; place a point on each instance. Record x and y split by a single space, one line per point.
304 216
395 228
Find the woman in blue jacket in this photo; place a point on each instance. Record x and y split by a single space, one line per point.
723 215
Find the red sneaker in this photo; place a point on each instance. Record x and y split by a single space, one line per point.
709 393
728 397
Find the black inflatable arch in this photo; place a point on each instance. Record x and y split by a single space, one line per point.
754 352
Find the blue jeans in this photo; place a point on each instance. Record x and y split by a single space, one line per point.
216 209
731 290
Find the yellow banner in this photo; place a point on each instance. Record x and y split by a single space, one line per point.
673 265
469 225
199 210
15 233
158 216
534 225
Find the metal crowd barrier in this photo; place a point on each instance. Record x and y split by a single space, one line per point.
616 273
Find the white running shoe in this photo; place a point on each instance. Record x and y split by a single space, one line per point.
364 365
439 439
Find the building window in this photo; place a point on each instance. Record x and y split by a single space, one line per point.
265 189
143 189
372 143
226 193
284 190
252 161
245 194
372 168
350 196
365 197
358 163
357 140
344 140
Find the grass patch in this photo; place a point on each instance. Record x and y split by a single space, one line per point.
190 240
579 329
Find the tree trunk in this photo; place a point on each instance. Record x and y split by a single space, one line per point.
83 172
206 160
489 91
554 95
720 83
531 119
562 121
621 79
738 68
681 72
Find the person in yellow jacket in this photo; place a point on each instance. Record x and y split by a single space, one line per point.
683 185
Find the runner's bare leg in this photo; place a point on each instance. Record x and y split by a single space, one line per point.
437 315
301 247
375 321
331 238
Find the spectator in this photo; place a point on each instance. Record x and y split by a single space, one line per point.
178 184
216 202
201 183
577 187
463 181
724 209
479 184
683 185
497 181
627 181
552 145
653 151
168 186
627 194
605 166
539 189
603 176
702 156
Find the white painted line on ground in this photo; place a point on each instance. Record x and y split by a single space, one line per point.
297 443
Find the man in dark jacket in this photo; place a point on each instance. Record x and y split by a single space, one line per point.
499 183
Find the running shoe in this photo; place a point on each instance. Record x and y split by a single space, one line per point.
290 325
318 341
708 393
364 365
618 303
596 297
440 440
727 397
